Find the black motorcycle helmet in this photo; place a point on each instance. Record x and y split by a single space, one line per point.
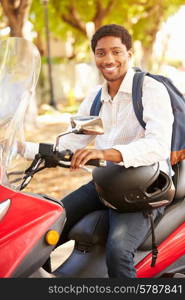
133 189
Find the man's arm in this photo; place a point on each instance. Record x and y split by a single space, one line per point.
27 149
155 145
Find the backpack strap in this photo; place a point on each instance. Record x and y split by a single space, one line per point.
96 105
136 98
137 93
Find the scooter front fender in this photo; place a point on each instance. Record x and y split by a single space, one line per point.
23 247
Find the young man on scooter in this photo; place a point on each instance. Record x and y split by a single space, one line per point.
124 142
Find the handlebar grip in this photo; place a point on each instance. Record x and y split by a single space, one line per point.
66 156
97 162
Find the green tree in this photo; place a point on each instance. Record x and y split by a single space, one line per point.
148 22
2 19
143 18
78 13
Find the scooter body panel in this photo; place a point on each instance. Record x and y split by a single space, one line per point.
169 251
26 222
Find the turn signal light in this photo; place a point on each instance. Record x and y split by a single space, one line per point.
52 237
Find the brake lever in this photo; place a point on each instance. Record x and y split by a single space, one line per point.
33 168
35 163
46 157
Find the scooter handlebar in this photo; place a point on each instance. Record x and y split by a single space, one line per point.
63 158
49 158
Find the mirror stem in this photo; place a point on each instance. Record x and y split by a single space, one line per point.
56 146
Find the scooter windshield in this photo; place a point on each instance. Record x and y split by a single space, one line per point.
19 71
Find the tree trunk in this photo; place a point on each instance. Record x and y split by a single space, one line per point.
74 19
39 43
16 28
146 61
17 13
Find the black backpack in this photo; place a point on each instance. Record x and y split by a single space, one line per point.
178 107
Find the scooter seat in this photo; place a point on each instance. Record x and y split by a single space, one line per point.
93 228
174 216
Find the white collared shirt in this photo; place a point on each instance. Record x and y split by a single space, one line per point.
123 131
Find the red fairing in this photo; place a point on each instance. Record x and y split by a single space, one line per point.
26 221
174 244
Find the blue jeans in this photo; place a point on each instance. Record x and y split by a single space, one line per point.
127 231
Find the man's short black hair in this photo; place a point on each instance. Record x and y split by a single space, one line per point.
112 30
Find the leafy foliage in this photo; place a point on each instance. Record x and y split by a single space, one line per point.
142 18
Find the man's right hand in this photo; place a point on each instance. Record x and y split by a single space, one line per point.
21 148
27 149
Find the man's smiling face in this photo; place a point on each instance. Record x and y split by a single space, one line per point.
112 58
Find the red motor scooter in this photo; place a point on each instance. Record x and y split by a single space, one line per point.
31 224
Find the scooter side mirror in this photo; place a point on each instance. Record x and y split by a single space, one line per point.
90 125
